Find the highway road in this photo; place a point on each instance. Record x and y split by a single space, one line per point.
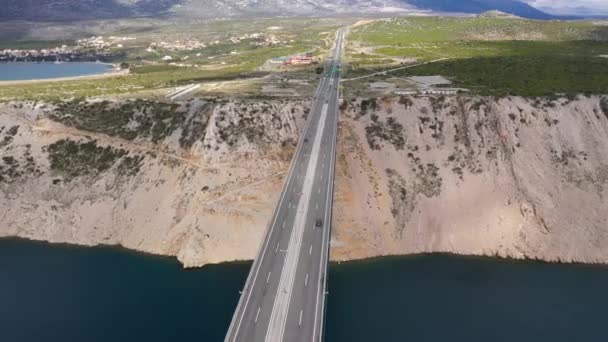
284 296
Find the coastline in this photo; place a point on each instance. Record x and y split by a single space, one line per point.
333 259
115 71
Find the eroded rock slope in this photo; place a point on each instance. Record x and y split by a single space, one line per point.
513 177
196 179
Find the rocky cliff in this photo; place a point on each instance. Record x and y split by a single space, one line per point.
513 177
196 179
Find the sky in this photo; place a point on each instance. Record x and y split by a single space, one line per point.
571 6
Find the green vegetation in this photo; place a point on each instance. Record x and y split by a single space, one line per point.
398 191
438 32
527 76
129 120
390 131
488 56
13 169
15 163
33 44
9 135
76 159
604 106
250 125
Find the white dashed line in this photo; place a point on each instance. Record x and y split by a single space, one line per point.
257 314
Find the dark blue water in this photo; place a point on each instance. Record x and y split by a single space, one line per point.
33 71
63 293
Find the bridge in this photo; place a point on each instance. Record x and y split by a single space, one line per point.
284 296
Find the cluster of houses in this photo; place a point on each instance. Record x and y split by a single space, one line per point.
17 54
63 53
99 42
178 45
259 39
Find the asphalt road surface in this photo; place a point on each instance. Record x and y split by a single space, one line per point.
284 296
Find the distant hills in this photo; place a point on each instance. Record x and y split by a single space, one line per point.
497 14
514 7
70 10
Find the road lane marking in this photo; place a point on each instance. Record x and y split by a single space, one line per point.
306 280
257 314
268 278
310 250
237 320
283 224
326 232
300 322
276 250
242 307
282 301
317 206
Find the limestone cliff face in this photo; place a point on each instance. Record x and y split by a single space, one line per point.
512 177
197 180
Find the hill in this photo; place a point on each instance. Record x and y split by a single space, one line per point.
514 7
65 10
497 14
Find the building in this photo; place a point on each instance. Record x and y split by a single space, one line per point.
299 60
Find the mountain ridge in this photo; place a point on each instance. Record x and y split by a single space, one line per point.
64 10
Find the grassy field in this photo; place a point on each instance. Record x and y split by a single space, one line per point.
488 55
523 75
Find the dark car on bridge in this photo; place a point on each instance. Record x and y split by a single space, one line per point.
319 223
